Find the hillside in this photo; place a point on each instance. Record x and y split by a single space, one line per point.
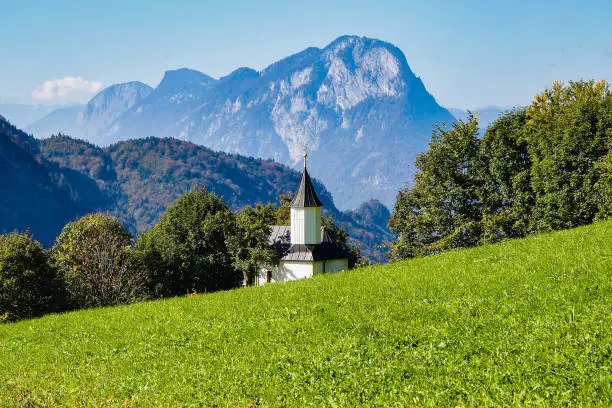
523 322
34 194
355 105
141 178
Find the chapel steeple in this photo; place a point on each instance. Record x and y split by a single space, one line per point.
305 196
305 213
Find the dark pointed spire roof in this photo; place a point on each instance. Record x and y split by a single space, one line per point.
305 196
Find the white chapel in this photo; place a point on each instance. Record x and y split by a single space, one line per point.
305 248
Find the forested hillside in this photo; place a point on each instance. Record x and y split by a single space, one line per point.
35 194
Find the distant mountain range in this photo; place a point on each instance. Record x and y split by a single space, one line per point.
47 183
355 106
23 114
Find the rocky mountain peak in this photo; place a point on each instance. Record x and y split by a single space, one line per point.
184 78
118 98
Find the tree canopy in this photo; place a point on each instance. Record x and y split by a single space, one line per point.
189 248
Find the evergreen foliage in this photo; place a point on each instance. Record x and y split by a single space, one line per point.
139 179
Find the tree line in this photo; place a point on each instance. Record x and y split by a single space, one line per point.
198 245
544 167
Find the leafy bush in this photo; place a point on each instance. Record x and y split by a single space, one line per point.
28 284
97 263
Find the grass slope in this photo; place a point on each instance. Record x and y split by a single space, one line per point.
525 322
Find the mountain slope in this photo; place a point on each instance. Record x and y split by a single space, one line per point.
524 322
34 194
354 105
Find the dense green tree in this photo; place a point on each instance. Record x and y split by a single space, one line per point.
603 186
568 130
189 248
28 284
442 209
504 169
98 264
249 244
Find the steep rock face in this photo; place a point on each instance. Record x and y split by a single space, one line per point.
108 106
355 106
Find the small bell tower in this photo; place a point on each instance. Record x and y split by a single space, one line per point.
305 213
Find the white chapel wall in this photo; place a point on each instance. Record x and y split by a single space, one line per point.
292 270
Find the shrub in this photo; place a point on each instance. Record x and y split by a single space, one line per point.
97 263
28 284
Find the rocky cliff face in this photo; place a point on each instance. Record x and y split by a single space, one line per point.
355 107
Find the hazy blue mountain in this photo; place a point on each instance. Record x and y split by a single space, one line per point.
22 115
487 115
92 120
355 106
63 120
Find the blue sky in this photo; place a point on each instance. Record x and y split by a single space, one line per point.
468 53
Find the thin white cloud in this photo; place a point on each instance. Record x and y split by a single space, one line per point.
67 90
609 50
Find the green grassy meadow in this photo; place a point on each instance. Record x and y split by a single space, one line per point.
524 322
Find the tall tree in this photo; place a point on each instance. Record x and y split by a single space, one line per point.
189 248
98 264
441 210
568 130
504 169
249 244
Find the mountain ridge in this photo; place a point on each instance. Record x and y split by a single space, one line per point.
354 104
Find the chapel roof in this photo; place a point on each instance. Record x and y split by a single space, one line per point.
305 196
280 240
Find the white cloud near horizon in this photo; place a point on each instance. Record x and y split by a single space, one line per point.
67 90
